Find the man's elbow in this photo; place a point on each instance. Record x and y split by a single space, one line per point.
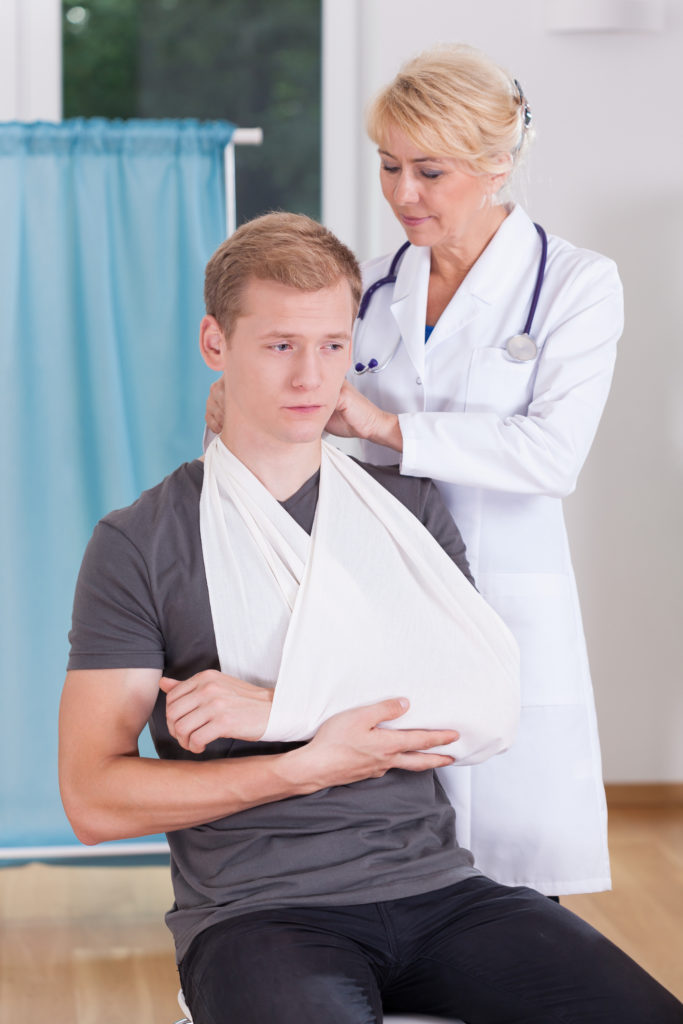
87 835
91 825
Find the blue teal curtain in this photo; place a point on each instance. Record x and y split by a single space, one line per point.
105 229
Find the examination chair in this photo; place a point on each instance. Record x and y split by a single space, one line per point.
391 1019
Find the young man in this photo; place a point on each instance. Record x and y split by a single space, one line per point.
321 880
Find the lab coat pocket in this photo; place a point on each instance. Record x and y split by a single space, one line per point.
497 383
541 610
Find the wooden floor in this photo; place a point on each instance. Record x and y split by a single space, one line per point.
643 913
89 946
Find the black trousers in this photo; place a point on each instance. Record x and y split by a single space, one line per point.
484 952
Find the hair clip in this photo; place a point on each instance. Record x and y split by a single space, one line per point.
526 109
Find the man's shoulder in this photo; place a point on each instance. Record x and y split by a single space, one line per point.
411 491
175 497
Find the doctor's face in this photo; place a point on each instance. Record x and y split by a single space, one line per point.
285 362
435 200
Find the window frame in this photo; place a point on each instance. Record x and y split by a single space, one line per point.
30 60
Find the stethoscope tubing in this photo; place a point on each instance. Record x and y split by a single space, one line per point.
539 279
374 366
390 278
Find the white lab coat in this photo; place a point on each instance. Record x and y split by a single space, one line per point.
505 442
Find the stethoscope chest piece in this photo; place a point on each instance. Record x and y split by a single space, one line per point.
521 348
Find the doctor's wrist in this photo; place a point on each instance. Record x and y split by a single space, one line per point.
387 431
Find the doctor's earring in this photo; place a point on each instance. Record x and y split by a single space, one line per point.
489 200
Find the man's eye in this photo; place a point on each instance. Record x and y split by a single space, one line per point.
282 346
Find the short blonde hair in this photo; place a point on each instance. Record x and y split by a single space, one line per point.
289 248
454 101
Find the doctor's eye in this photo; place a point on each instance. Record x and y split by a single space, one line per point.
431 175
390 168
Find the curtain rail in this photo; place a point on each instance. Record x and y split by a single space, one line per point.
240 137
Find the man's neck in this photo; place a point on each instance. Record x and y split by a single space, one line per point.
281 468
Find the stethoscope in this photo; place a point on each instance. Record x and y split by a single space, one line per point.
521 347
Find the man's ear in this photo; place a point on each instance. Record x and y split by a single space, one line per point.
212 343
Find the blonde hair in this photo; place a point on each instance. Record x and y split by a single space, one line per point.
454 101
289 248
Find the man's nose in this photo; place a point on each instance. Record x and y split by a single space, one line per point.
306 373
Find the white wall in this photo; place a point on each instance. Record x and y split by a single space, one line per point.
605 172
30 60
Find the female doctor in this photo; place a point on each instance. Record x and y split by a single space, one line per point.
457 379
483 360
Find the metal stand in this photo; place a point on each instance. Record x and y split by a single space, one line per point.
240 137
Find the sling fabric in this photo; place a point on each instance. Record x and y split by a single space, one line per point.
368 607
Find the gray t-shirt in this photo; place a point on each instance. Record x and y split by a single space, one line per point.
142 602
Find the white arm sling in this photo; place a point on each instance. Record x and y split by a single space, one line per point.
368 607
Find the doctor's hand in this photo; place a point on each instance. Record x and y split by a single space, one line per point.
357 416
351 746
214 407
212 705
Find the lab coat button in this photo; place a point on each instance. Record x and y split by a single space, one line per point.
418 380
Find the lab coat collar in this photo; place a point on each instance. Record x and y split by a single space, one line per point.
513 247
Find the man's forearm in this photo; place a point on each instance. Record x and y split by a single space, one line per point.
134 796
110 792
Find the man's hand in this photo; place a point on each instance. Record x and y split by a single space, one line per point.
211 705
351 746
357 416
214 406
